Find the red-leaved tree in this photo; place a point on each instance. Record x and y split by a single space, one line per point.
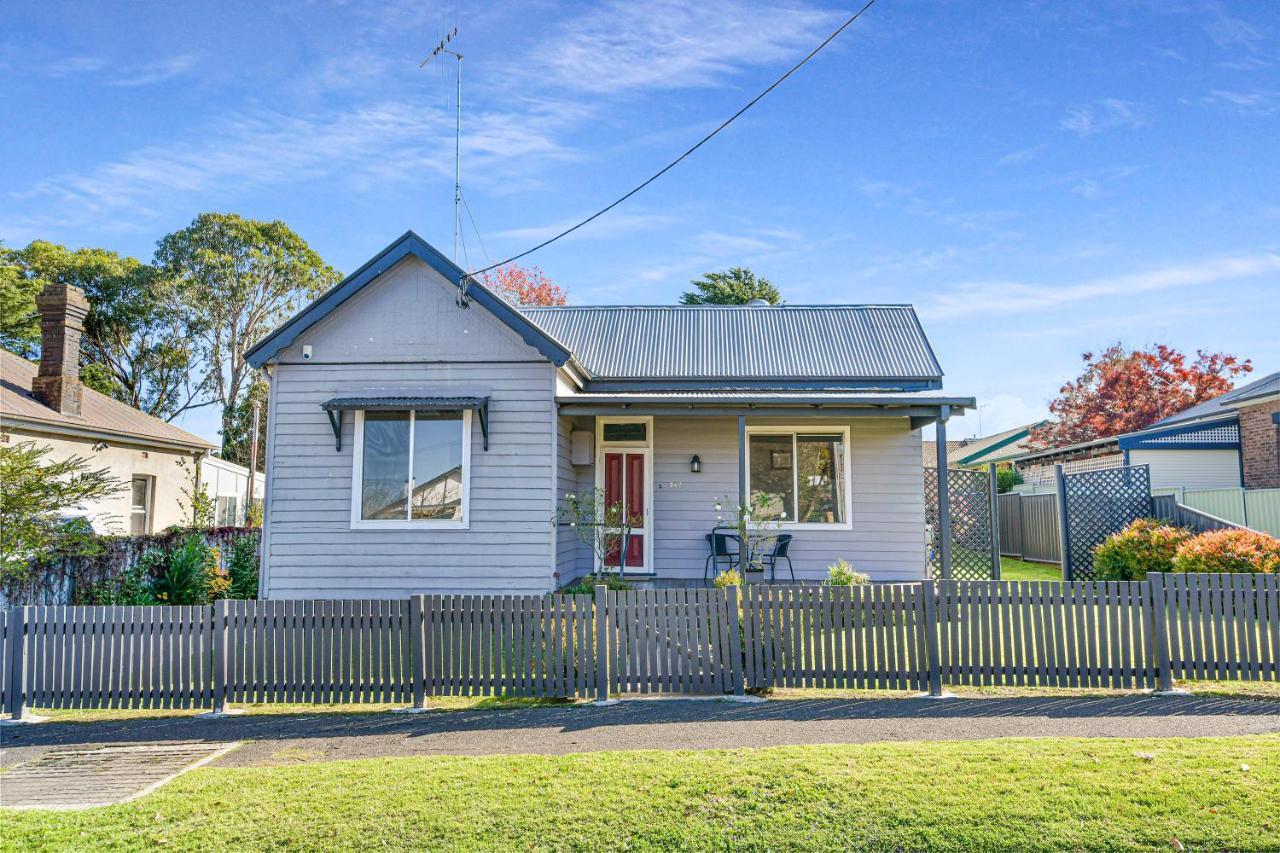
524 285
1121 391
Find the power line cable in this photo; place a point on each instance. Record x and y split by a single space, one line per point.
483 248
703 141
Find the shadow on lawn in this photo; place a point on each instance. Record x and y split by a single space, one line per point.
579 718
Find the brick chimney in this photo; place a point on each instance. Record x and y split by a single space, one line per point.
62 312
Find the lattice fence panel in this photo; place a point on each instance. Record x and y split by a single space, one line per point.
1100 503
971 521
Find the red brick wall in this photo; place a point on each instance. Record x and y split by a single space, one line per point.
1260 444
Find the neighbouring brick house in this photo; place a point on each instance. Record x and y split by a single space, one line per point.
1259 414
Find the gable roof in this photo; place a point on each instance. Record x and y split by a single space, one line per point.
872 343
408 244
996 448
1223 405
863 347
100 415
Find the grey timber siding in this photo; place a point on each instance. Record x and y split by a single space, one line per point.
887 536
406 334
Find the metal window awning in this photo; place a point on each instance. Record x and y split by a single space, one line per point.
335 407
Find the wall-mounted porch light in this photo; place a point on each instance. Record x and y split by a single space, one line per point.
695 464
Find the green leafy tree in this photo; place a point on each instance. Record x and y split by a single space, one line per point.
19 320
735 286
237 279
35 493
138 347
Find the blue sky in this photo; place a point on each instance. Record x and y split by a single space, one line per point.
1038 179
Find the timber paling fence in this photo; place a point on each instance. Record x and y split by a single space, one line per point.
1123 634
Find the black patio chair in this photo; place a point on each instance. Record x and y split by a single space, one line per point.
719 544
779 552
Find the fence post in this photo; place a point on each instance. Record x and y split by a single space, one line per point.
932 648
417 606
995 521
1158 625
1064 534
602 645
17 691
221 648
737 662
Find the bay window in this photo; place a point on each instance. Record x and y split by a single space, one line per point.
411 468
799 477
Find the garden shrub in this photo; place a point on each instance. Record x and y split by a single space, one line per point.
727 578
1229 550
1007 478
242 567
1146 545
841 573
192 575
587 585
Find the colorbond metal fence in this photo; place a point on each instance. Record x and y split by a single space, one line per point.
678 641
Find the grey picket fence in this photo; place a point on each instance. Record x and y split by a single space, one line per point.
836 637
682 641
515 645
915 636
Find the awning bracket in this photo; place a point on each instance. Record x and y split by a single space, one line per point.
335 421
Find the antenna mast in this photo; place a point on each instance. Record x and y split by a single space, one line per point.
443 47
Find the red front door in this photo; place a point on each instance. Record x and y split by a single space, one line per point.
624 481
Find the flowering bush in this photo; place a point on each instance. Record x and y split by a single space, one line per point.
841 573
729 577
1230 550
1146 545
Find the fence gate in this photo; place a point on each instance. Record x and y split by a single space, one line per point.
1097 504
972 527
674 641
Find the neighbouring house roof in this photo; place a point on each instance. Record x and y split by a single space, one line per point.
100 416
871 343
996 448
1225 404
929 452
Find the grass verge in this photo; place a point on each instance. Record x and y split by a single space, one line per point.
1083 794
1012 569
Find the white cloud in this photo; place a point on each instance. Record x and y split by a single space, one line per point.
155 72
365 146
1012 297
606 226
1106 114
672 44
1022 155
1088 188
996 413
1258 103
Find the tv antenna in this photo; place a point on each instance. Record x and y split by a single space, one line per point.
443 47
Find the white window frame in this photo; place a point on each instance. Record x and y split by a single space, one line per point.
357 483
147 506
807 429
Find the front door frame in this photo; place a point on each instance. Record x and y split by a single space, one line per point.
645 448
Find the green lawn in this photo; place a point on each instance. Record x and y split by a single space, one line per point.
995 795
1012 569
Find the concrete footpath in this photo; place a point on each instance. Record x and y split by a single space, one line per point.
676 724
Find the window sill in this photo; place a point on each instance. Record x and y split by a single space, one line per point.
410 525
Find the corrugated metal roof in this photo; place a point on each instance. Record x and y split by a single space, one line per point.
799 398
98 412
340 403
857 342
